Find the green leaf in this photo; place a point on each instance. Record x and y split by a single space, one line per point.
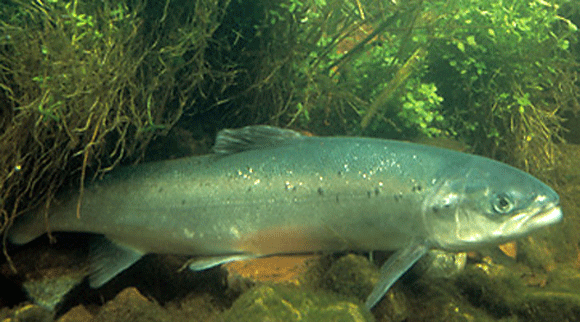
524 100
471 41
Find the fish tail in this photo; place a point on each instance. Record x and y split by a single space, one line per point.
26 228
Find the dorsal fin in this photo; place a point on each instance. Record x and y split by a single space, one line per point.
254 137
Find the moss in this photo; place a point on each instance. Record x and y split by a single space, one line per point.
351 275
522 292
288 303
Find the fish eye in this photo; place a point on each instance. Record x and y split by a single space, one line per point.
502 203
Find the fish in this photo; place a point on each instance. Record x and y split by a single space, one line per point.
268 191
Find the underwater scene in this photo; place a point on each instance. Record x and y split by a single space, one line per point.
289 160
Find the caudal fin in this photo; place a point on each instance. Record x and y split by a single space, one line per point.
26 228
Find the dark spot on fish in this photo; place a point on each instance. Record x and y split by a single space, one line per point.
377 191
320 191
182 202
336 198
398 196
339 173
160 189
435 209
249 189
369 194
417 188
294 189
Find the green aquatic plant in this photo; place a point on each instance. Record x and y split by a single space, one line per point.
497 73
87 84
503 69
342 64
422 110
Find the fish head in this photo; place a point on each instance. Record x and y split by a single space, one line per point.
487 202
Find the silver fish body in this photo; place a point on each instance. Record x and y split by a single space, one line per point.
271 191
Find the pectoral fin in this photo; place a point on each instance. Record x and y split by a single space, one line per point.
393 268
109 259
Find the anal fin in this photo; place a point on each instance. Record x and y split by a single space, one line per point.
108 259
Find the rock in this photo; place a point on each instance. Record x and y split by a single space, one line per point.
194 308
27 313
130 305
49 274
440 264
351 275
77 314
290 303
50 291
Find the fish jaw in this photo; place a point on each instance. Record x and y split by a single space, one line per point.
527 222
549 215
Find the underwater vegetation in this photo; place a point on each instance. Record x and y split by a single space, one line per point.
498 74
88 85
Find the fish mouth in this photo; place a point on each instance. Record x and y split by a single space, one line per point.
548 215
527 222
